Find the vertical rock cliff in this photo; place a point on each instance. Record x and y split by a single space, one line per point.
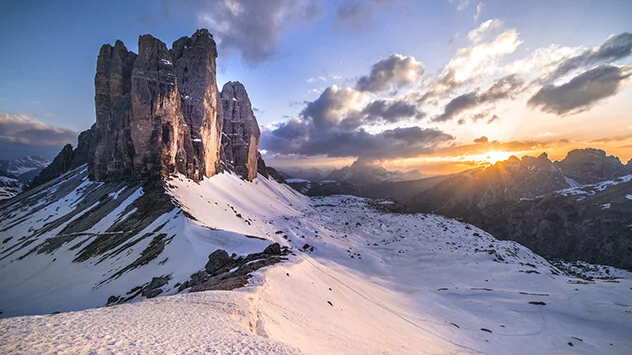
195 69
240 140
157 112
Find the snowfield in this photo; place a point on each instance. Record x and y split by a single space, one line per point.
362 280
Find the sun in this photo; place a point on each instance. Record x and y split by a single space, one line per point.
494 156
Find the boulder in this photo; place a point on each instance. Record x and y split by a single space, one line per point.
217 260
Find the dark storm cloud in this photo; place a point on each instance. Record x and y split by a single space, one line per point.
22 129
330 126
390 111
582 92
395 70
252 28
390 144
505 88
614 48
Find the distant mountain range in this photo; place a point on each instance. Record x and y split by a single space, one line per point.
24 169
525 200
576 208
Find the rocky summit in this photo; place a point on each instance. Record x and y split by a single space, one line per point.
159 112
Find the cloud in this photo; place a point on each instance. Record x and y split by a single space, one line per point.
479 9
359 13
476 61
614 48
481 140
582 92
478 34
390 111
395 70
22 129
332 125
252 28
389 144
331 106
505 88
453 38
462 4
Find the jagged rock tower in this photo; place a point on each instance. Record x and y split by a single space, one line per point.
157 112
240 140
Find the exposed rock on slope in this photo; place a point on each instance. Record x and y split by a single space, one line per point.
240 139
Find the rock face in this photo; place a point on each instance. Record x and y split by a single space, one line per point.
591 165
157 112
61 164
194 61
240 140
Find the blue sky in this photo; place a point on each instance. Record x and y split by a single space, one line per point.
50 49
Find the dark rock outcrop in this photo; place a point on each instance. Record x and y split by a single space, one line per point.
587 166
60 165
240 138
261 166
217 260
273 173
84 152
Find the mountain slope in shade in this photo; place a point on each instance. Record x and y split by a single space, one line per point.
9 186
362 173
362 279
589 222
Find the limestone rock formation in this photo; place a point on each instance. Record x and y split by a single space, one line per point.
195 68
240 139
157 112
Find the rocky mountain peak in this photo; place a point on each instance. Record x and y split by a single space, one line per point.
591 165
240 139
158 113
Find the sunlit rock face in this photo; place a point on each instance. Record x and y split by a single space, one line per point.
195 69
157 112
240 140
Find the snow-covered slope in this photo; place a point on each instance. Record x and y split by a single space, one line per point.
73 243
9 187
363 280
